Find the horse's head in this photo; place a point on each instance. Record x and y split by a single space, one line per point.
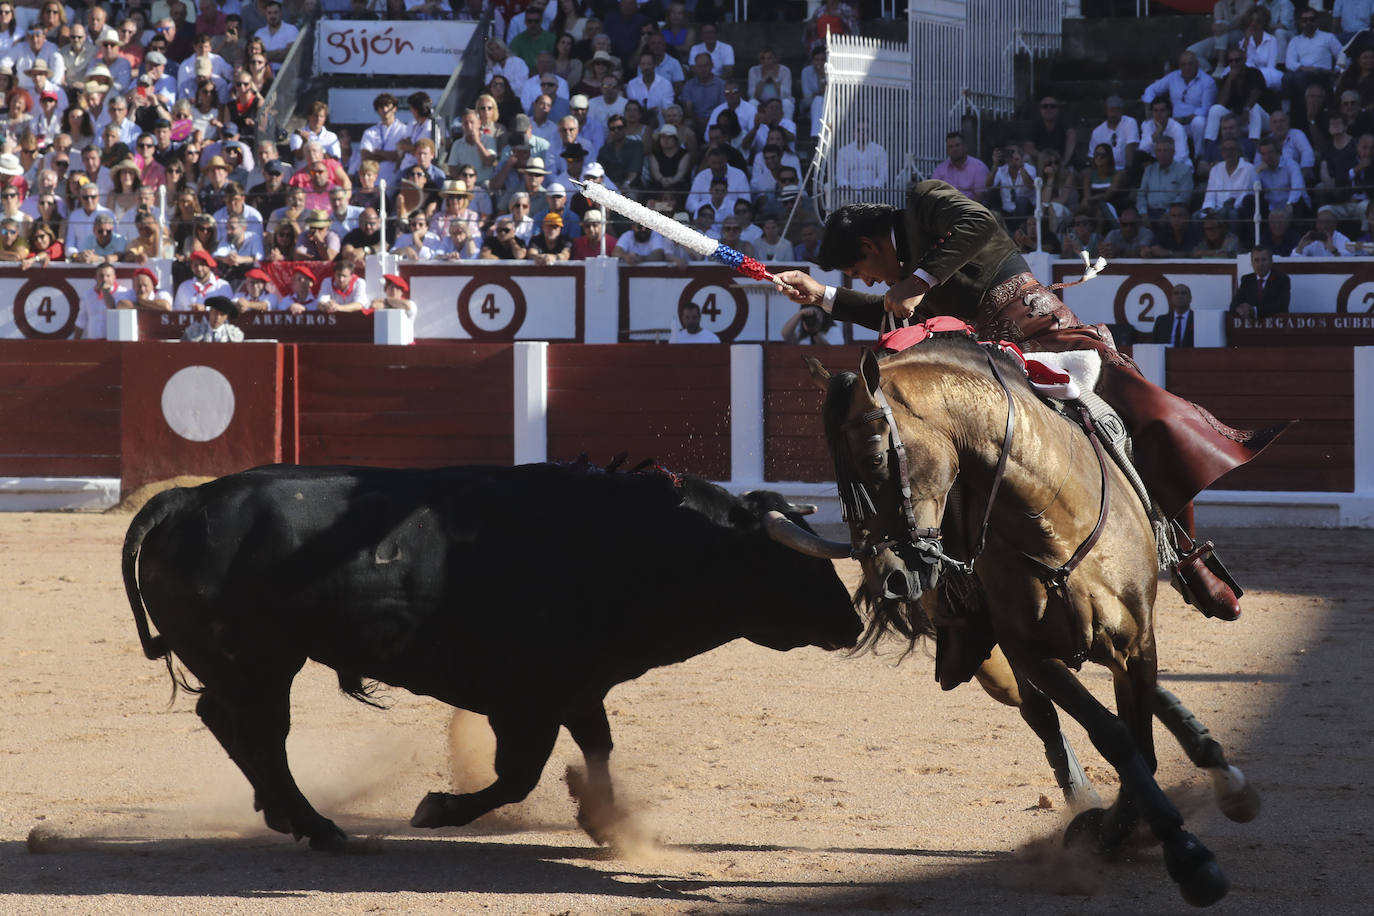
893 483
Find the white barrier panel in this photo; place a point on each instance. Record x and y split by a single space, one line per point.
497 300
390 48
45 301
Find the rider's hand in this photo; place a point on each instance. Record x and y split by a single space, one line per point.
800 287
903 298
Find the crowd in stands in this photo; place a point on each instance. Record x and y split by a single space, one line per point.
1280 96
108 105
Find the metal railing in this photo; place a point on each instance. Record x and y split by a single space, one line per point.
869 91
279 104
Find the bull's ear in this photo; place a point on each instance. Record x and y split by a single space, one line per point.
868 368
820 376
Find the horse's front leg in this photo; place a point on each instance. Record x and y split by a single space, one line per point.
1237 799
1191 865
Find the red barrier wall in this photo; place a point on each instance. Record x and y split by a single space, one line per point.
793 434
1256 387
59 408
425 406
671 403
199 409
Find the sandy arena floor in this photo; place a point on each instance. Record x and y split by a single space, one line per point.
763 782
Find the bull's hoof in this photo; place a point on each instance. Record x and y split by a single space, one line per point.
1194 869
432 811
1085 830
332 839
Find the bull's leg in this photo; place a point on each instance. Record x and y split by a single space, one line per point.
1191 865
252 725
523 746
1237 799
595 796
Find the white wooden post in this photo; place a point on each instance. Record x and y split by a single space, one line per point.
746 416
531 427
121 325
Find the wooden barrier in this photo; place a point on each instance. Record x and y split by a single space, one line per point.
406 406
1302 330
1257 387
309 327
199 409
652 401
794 437
59 408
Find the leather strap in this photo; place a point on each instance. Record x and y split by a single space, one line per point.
1057 577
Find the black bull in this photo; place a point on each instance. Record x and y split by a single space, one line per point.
522 593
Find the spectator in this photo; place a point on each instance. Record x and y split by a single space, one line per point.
217 326
689 329
743 110
315 130
1264 292
319 242
149 240
45 246
1228 129
145 293
731 235
1175 329
1119 132
1014 180
302 297
772 245
550 245
103 244
343 290
1176 236
967 173
192 293
1292 144
623 160
14 247
640 245
550 84
343 215
364 240
593 239
1050 133
396 295
1161 124
770 79
90 316
81 222
501 243
1164 183
472 148
276 36
419 242
238 250
281 245
520 207
649 89
809 246
593 133
1229 183
669 168
1324 240
1262 48
1228 28
704 93
459 242
813 326
716 168
1311 58
722 55
1278 234
534 38
813 83
1217 240
1083 236
1281 179
1191 92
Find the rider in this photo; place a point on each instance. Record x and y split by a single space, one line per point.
946 254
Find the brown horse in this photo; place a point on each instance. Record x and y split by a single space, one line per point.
1064 563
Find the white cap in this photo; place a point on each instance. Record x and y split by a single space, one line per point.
578 101
595 170
555 188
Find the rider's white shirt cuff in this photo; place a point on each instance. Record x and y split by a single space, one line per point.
828 300
922 275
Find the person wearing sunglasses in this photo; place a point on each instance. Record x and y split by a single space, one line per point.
81 222
501 243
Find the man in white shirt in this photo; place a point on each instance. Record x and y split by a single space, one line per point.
1120 131
192 293
343 291
90 316
1292 144
1313 56
744 109
861 164
500 62
611 101
722 55
1229 181
717 166
81 221
689 329
22 55
548 83
1325 240
1192 93
1162 122
379 141
121 74
220 71
277 36
649 89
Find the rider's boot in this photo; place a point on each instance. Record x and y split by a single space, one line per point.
1200 576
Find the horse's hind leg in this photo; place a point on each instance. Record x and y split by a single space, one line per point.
1191 865
1237 799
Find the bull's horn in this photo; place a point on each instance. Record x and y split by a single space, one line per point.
788 533
802 508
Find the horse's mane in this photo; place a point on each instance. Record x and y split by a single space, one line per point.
954 348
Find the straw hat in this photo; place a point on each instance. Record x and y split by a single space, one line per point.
455 187
317 219
10 165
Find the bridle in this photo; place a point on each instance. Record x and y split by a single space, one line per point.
926 543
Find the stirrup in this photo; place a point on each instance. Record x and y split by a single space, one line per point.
1204 582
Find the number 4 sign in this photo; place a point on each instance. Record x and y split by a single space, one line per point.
46 311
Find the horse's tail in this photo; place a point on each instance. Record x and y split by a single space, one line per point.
158 510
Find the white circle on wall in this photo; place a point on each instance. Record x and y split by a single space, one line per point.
198 403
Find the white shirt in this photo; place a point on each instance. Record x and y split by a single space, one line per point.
514 69
736 185
1171 129
723 56
252 222
598 109
533 89
325 138
381 138
193 293
657 95
1319 250
628 242
358 294
81 225
90 318
861 168
1126 132
1322 51
702 336
1223 186
1297 147
286 34
745 111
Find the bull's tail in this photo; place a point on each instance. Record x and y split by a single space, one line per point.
157 510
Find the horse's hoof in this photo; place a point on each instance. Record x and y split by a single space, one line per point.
1194 869
430 811
1086 829
1207 885
1236 798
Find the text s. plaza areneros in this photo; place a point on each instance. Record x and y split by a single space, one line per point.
262 319
356 46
